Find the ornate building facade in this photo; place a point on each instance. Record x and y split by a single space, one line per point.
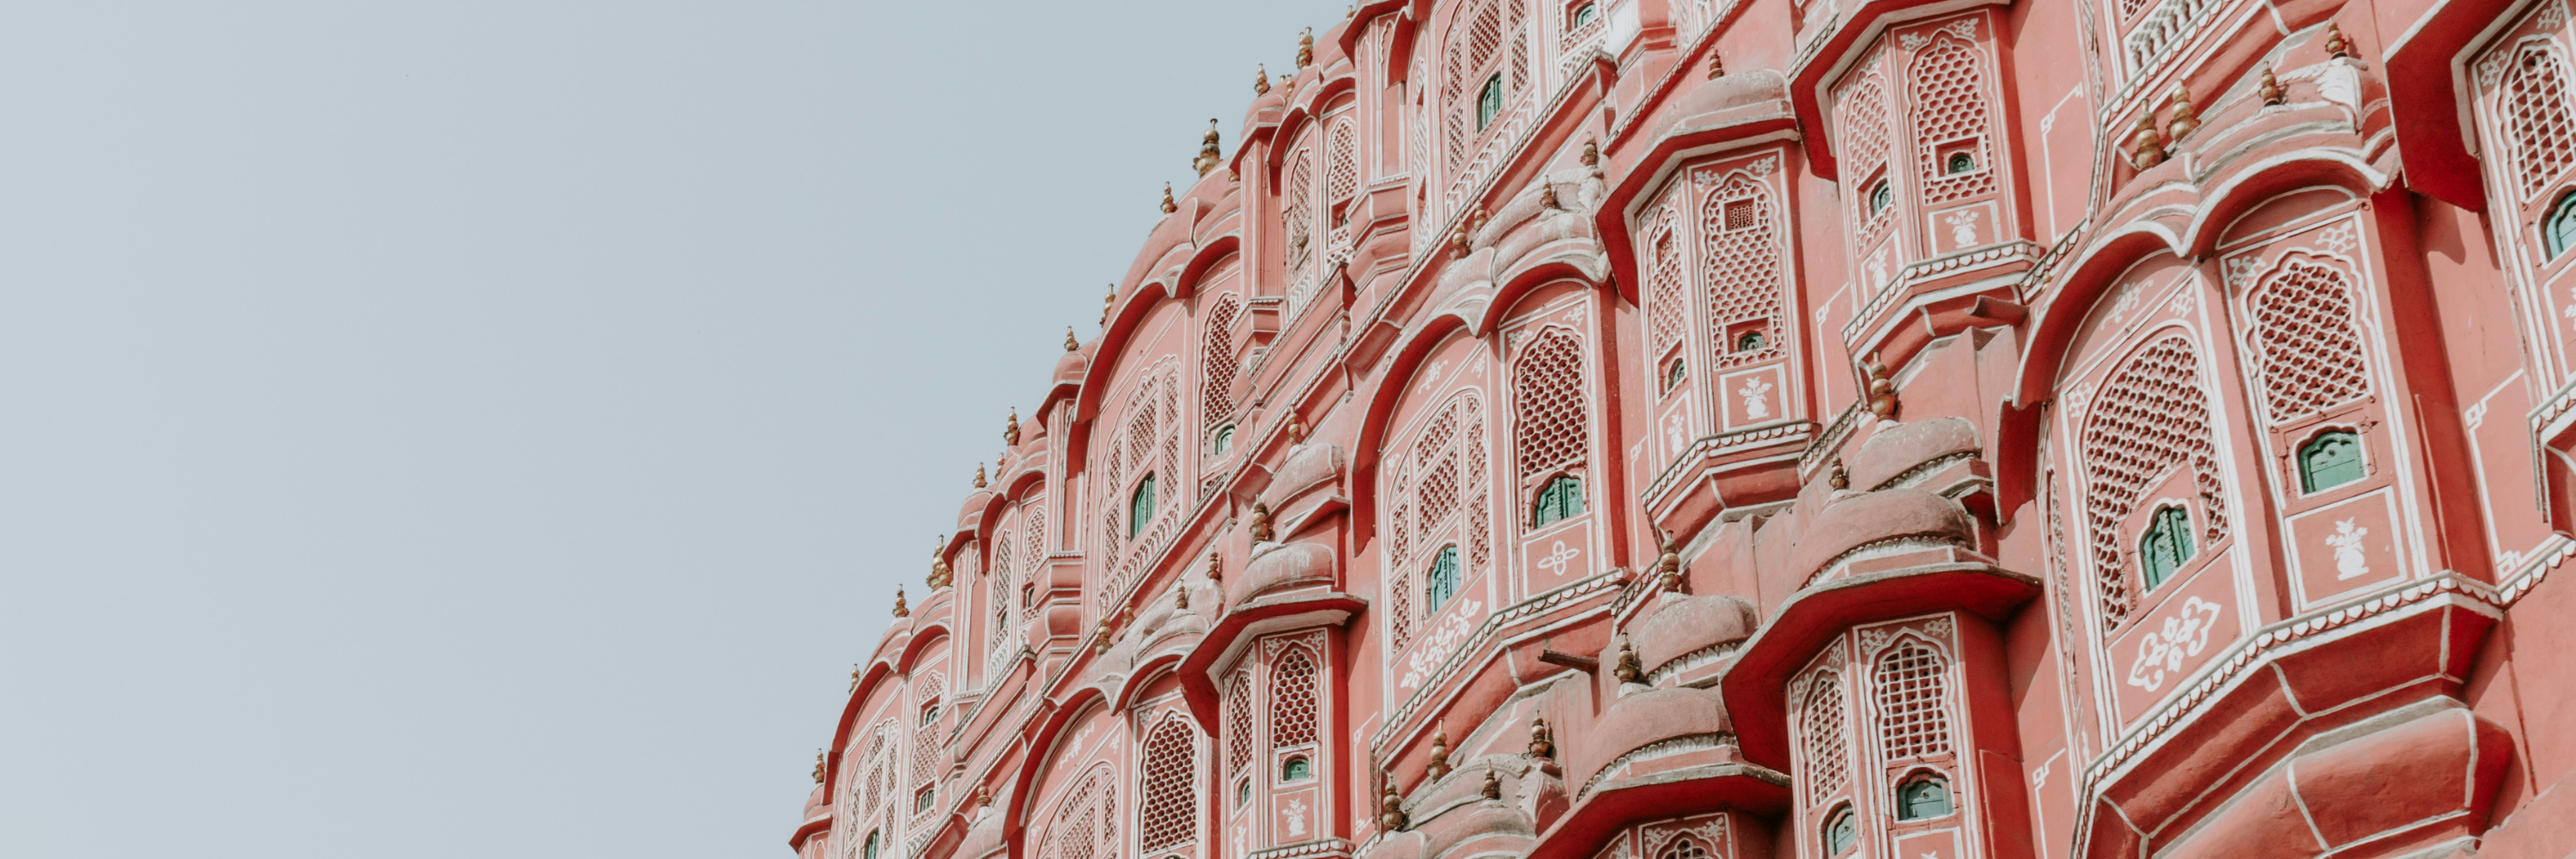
1729 429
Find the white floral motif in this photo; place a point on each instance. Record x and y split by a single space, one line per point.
1437 644
2337 240
1963 229
2346 542
2181 303
1294 816
1757 400
1675 431
2240 268
2162 651
1556 559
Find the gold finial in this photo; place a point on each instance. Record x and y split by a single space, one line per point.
1591 154
1216 567
1547 194
2267 87
1627 669
1070 344
900 610
818 766
1011 430
979 475
983 794
1211 152
1181 595
1716 64
1260 523
2146 150
2335 44
1296 432
939 573
1306 48
1836 476
1480 220
1882 390
1541 744
1668 567
1493 784
1460 241
1439 751
1260 81
1288 87
1169 206
1108 304
856 670
2184 120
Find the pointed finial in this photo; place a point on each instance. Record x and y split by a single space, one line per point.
939 574
1260 81
2268 87
983 794
1011 430
1216 567
1668 567
1836 476
2184 119
1169 206
1493 788
855 671
1547 195
1260 526
1390 805
1716 64
1107 304
1288 87
1882 390
818 766
1541 744
1296 432
1439 751
900 610
1211 151
2335 44
1461 240
979 475
1627 670
1591 154
1181 596
1306 48
1070 344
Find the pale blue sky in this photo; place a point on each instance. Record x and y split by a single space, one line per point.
492 429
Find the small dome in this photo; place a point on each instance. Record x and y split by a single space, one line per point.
1869 517
1895 449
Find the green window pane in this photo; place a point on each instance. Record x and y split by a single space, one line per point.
1442 583
2558 228
1584 15
1840 831
870 852
1489 104
1561 499
1880 198
1922 799
2166 546
1296 768
2330 460
1140 507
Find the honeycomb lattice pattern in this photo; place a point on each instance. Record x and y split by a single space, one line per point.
1666 322
1298 214
1822 728
1341 170
1949 84
1913 704
1166 814
998 594
1477 549
1743 261
1439 456
1218 362
1036 536
1863 105
1549 426
1238 722
2150 417
1085 822
2311 352
1292 699
2537 120
876 768
925 735
1476 54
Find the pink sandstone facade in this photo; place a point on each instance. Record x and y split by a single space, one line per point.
1730 429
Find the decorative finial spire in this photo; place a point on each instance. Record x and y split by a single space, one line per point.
2267 86
1627 670
1169 206
856 670
2184 119
1296 432
1493 788
1836 476
2146 150
1716 64
1260 80
1260 526
1211 152
1668 567
1070 344
1107 304
818 766
1011 430
1882 390
1306 48
1461 240
900 610
979 475
1547 194
1439 751
1541 744
939 573
2335 44
1591 154
1390 805
1181 595
983 795
1216 567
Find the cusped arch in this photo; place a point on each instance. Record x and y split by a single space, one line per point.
1411 351
1049 733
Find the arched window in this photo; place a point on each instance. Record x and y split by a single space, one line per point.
925 798
1748 341
2331 459
927 747
1442 582
1583 15
1551 424
1489 101
1341 172
1297 768
1841 831
2558 228
1684 847
1292 699
1238 722
1960 162
1488 64
1673 377
1218 366
1140 506
2150 416
1224 440
1821 726
1950 112
1913 690
2541 130
869 851
1922 797
1166 816
1741 264
1560 500
2311 351
2166 544
1880 198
